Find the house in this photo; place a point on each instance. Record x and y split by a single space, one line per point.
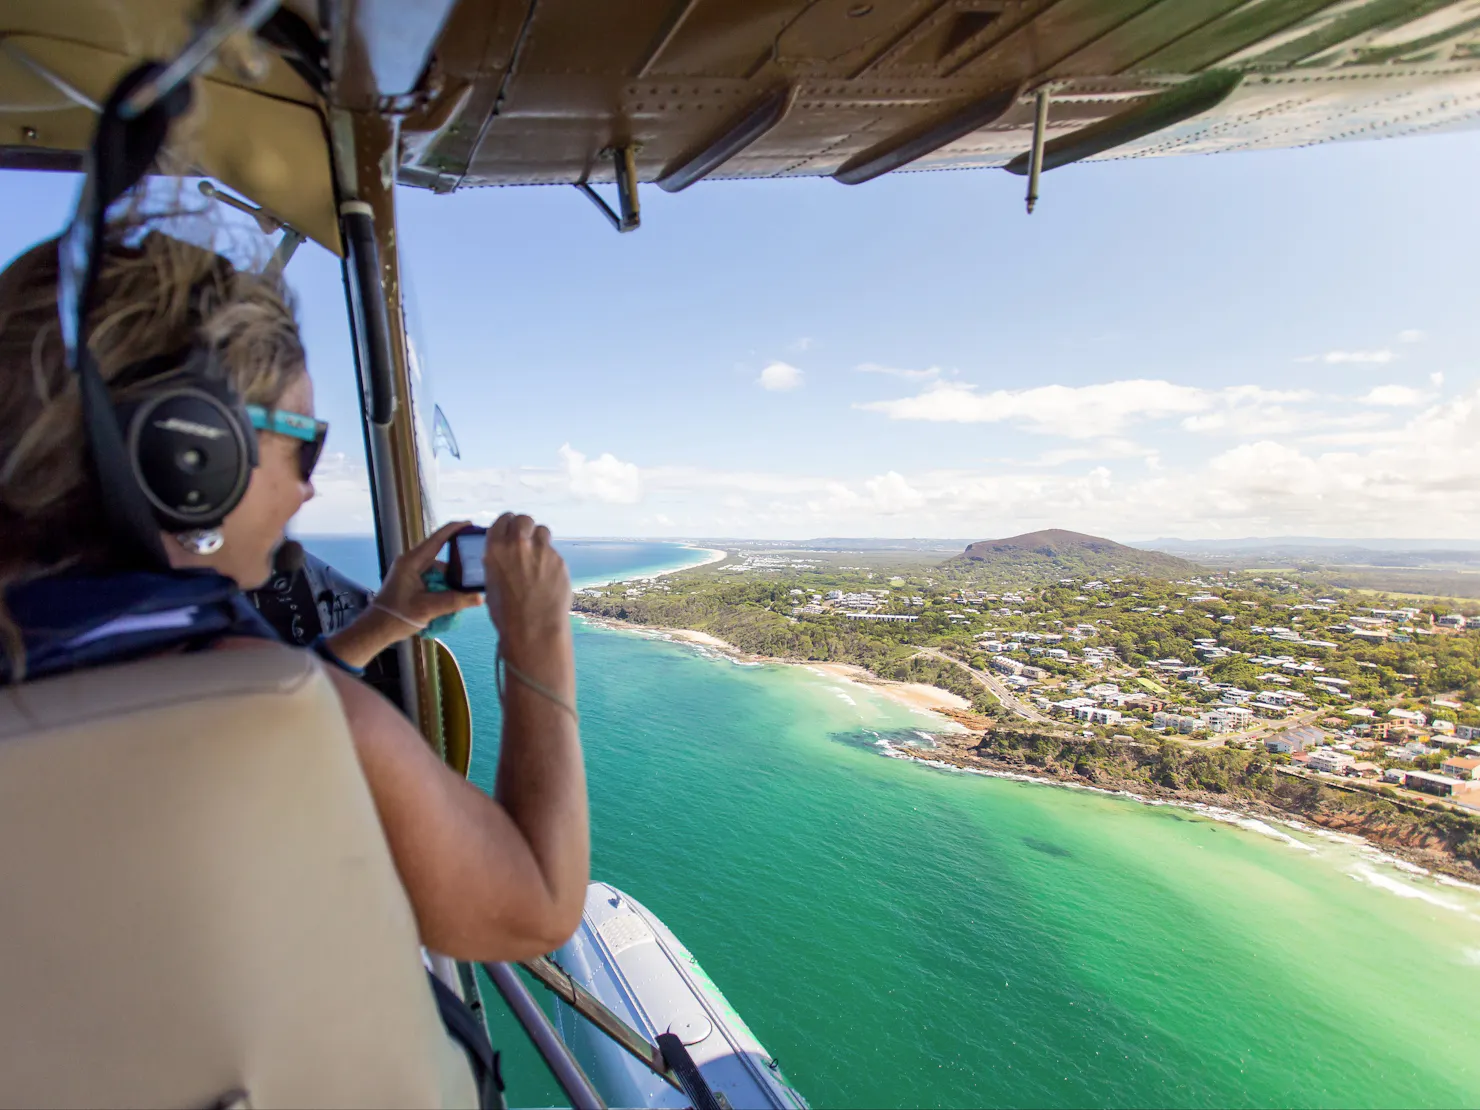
1465 767
1330 761
1410 715
1227 719
1295 739
1441 725
1452 620
1394 774
1175 722
1069 705
1467 732
1362 768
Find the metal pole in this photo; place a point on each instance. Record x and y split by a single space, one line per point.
1035 161
558 980
547 1042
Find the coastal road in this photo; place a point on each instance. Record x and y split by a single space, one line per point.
995 686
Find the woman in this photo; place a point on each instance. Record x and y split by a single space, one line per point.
488 879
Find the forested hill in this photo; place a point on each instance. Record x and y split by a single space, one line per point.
1055 552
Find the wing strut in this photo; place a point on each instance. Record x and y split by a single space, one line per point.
626 170
1040 129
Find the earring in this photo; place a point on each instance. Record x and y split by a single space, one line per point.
201 541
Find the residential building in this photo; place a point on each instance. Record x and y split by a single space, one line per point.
1439 785
1461 767
1175 722
1330 761
1467 732
1410 715
1295 739
1394 774
1228 718
1069 705
1096 716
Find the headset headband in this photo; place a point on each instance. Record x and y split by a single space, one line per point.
124 146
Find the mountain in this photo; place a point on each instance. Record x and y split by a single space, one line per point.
1073 554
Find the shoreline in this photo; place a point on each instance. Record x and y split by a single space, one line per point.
954 754
1247 813
1433 863
951 708
712 555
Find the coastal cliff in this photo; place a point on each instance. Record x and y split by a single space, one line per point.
1439 839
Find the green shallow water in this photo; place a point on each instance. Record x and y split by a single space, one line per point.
899 935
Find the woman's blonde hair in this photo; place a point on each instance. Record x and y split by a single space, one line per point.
156 295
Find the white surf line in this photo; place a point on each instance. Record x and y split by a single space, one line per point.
1259 825
711 555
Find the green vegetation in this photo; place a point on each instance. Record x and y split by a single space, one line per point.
1232 775
1167 680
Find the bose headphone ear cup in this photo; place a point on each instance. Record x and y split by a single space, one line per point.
192 450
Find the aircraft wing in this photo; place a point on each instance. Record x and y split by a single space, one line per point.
532 92
782 88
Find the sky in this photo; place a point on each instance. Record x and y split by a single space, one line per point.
1253 344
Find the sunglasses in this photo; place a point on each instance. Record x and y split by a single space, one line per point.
296 426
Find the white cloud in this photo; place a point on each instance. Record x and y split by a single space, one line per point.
1411 335
780 376
607 478
805 343
1414 480
891 494
1115 448
1417 478
1079 412
1381 355
1396 396
1103 410
1436 379
895 372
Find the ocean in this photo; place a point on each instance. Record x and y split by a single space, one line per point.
902 935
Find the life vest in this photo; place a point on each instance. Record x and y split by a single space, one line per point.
72 621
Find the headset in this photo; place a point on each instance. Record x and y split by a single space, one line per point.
190 445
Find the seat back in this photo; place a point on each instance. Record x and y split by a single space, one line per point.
199 905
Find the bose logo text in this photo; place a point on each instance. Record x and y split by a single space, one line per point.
189 427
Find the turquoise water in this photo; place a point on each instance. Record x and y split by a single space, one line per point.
899 935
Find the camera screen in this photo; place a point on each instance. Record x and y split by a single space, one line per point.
470 555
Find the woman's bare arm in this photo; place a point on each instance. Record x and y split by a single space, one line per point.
502 878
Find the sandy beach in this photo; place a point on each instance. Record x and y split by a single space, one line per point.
914 695
710 556
689 636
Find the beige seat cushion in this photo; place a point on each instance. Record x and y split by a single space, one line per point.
198 897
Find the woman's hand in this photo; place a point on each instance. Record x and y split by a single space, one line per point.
404 605
406 595
528 588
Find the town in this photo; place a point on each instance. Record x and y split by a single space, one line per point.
1335 685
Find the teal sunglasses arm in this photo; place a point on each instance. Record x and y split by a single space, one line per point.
293 424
